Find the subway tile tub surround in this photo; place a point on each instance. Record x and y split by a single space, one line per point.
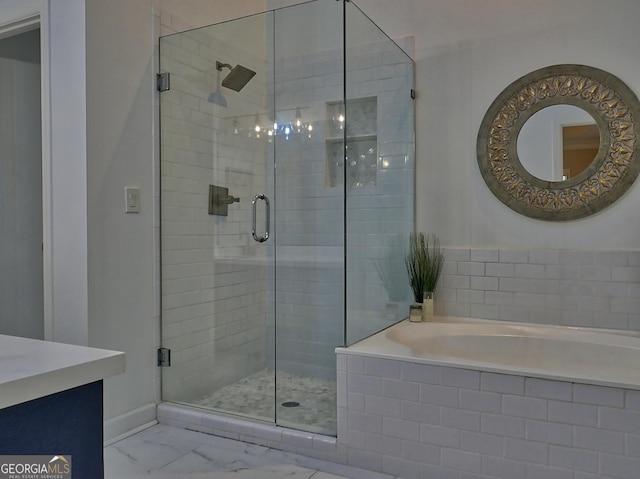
420 421
565 287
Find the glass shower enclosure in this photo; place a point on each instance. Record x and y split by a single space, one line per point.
287 186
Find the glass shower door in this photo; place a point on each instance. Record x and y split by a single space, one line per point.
216 207
309 221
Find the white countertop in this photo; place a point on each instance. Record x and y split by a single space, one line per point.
30 368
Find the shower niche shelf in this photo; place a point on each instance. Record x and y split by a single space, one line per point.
361 151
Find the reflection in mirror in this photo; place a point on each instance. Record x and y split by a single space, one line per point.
580 145
558 142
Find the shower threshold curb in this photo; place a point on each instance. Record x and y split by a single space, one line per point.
252 431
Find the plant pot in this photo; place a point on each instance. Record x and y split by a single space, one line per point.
415 313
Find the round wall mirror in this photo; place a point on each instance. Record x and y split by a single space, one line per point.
561 143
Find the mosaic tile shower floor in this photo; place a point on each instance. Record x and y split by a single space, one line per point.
253 396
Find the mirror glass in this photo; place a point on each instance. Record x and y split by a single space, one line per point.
558 142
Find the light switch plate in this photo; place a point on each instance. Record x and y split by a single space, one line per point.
132 199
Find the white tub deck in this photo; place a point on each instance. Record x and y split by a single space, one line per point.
585 355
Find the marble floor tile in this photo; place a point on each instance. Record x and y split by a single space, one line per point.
165 452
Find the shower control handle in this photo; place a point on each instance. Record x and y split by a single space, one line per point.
228 200
260 239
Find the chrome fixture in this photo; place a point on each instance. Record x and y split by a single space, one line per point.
265 237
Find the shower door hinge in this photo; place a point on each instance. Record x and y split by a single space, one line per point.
413 94
163 81
164 357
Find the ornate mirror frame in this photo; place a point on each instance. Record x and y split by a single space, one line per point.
611 103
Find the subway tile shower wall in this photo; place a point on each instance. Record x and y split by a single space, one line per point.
564 287
217 283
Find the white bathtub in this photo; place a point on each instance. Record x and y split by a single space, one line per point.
591 356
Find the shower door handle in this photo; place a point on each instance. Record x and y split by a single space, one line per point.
260 239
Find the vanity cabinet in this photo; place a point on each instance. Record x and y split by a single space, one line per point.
51 402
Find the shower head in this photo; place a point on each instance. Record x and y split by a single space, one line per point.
237 78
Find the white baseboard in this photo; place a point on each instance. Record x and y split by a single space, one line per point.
131 422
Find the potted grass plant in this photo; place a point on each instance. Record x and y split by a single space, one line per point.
424 261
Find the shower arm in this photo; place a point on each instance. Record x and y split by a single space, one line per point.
220 66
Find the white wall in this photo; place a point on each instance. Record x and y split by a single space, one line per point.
120 152
187 14
467 52
65 225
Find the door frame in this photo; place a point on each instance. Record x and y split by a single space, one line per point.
18 18
64 159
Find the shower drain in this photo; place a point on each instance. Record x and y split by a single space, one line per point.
290 404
